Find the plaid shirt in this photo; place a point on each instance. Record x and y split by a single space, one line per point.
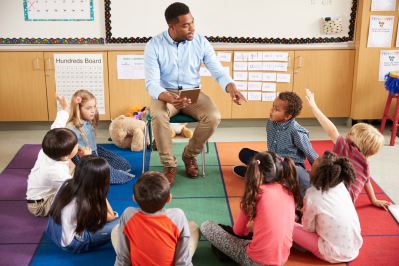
290 139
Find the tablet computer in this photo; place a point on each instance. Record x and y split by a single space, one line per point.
191 94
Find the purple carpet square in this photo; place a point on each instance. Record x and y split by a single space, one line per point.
16 254
17 225
25 157
14 184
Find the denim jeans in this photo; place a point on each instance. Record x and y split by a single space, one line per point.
84 242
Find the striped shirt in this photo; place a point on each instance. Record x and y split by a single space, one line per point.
344 147
290 139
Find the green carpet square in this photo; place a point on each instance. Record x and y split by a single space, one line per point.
209 186
202 209
177 148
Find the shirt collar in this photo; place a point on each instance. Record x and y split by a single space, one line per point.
170 40
283 125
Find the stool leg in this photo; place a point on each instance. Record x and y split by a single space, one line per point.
395 123
386 113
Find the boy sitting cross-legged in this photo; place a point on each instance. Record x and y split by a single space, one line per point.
153 235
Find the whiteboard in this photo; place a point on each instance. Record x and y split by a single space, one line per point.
274 19
14 25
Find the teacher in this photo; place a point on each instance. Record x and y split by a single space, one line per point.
172 62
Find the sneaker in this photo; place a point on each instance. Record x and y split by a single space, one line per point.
170 173
191 166
240 170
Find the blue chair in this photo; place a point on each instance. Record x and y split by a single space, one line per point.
179 118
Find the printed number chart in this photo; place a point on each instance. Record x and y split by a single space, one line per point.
80 71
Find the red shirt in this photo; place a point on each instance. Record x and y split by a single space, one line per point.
344 147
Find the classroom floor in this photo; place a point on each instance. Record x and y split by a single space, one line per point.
384 166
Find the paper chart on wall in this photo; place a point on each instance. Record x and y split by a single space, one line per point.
80 71
383 5
224 57
204 72
130 66
380 31
389 61
268 96
58 10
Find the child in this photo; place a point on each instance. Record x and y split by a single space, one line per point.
285 137
52 166
153 235
83 120
331 228
81 218
267 209
361 142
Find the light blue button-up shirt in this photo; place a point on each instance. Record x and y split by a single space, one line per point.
169 64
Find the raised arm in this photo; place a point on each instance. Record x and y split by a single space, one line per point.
62 115
325 123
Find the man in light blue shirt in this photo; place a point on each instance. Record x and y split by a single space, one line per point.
172 62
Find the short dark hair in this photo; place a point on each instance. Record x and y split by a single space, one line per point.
331 171
294 103
59 142
175 10
151 191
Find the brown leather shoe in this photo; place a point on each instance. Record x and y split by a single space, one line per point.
170 173
191 166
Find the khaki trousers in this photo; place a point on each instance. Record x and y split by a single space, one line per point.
41 208
204 110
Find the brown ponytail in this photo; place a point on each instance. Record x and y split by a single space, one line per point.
332 170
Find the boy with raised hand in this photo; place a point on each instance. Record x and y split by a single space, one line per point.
362 141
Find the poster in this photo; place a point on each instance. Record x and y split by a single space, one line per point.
383 5
389 61
130 66
380 31
80 71
58 10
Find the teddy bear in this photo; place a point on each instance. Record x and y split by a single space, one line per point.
127 132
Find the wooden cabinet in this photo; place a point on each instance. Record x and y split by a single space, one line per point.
259 109
124 93
218 95
22 87
51 86
27 86
329 74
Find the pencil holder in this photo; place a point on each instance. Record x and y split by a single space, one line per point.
332 25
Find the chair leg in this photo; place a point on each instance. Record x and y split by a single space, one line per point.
203 162
144 148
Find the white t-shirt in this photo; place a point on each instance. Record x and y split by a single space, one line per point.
68 223
333 217
47 175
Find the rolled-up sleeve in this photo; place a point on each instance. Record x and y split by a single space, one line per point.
152 71
214 66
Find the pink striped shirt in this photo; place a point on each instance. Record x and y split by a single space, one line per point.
273 226
344 147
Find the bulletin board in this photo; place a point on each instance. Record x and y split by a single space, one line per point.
52 22
235 21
